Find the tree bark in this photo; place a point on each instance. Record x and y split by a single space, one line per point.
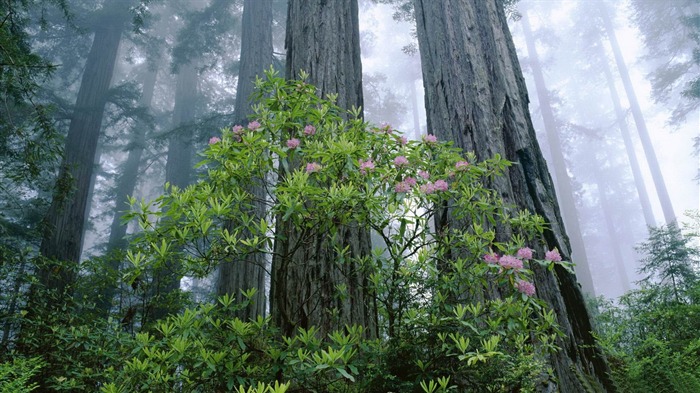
322 40
64 223
476 97
256 56
563 185
657 176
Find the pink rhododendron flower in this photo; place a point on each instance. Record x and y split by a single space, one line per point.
400 161
293 143
366 166
553 256
386 127
441 185
461 165
429 138
411 181
237 129
253 125
309 130
214 139
402 186
313 167
525 253
424 174
491 258
428 188
510 262
403 141
525 287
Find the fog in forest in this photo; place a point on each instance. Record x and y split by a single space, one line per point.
614 98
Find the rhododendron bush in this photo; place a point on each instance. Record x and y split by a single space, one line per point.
455 308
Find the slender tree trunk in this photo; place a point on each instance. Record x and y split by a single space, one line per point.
178 168
256 56
629 146
476 97
126 183
609 215
666 205
323 40
563 181
64 223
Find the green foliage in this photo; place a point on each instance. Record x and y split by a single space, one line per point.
15 375
449 314
651 336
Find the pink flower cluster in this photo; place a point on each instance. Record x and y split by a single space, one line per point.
402 187
293 143
510 262
309 130
525 253
461 165
491 258
429 138
366 166
313 167
402 141
237 131
525 287
424 174
400 161
430 187
253 125
552 256
214 139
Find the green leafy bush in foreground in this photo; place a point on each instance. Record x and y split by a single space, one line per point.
455 307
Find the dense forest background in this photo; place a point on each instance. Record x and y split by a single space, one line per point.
168 223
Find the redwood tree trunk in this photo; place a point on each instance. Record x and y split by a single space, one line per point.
565 190
322 40
64 223
656 175
256 56
476 97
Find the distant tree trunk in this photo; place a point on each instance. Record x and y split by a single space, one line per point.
657 176
476 97
126 183
609 216
563 185
64 223
256 56
629 146
323 40
178 168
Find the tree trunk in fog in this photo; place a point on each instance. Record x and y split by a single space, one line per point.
629 145
178 168
476 97
323 40
565 191
256 56
656 174
608 215
126 183
64 223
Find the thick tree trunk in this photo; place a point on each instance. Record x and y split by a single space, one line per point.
256 56
126 183
323 40
476 97
64 223
657 176
563 185
178 168
629 146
